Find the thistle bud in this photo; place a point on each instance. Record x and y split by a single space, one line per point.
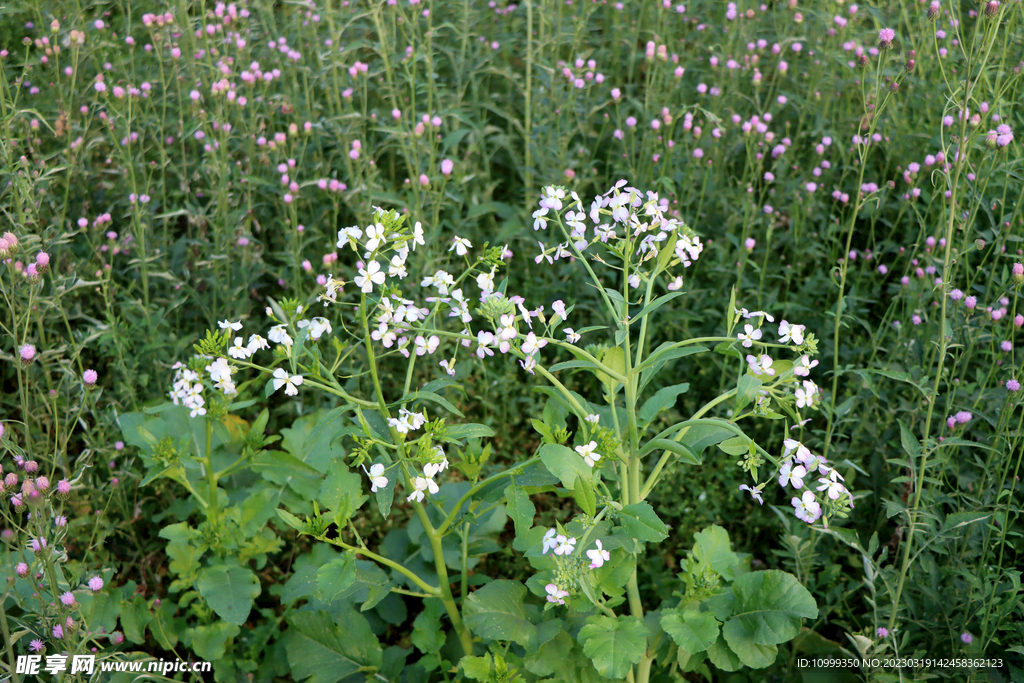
979 244
894 87
992 8
864 61
1018 273
934 10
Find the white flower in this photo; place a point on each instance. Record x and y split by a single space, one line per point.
397 267
377 478
219 370
555 594
565 545
441 280
756 314
461 246
507 330
256 342
803 453
598 556
449 366
532 345
789 332
484 340
675 285
807 507
348 236
290 383
749 335
317 327
539 222
549 541
529 364
592 419
805 396
559 308
239 350
417 235
571 335
802 367
422 484
228 325
369 277
485 281
374 237
761 365
792 476
588 453
426 345
832 485
279 335
754 492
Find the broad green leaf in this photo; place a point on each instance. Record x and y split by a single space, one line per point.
615 360
737 445
642 523
477 668
712 549
551 657
700 436
230 591
614 645
724 658
334 578
585 497
746 392
564 463
209 642
325 651
663 399
768 610
520 508
427 633
135 616
691 630
497 612
341 492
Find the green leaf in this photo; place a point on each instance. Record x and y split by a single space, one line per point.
642 523
724 658
683 451
135 615
663 399
737 445
768 609
585 497
910 443
466 431
334 578
477 668
520 508
427 633
497 612
712 549
433 398
209 641
698 437
655 305
565 464
962 519
691 630
746 392
341 492
614 645
230 591
290 519
325 652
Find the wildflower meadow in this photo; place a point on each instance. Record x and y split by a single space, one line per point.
414 341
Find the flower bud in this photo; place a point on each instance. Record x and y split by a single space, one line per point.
894 87
979 243
934 10
1018 273
992 8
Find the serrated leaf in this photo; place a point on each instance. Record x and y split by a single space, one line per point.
325 651
334 578
691 630
614 645
230 591
768 609
497 612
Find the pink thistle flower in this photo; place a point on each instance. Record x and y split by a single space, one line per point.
90 377
95 584
67 598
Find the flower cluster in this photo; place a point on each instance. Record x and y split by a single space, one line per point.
799 465
564 546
